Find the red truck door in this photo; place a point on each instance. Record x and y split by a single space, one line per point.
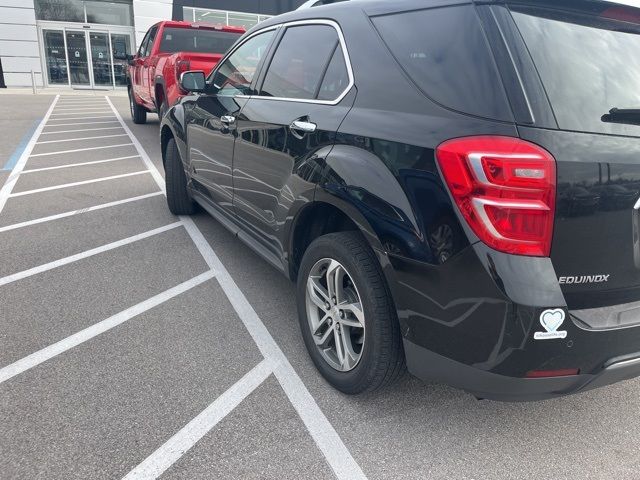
139 81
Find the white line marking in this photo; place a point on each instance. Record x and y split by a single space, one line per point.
76 118
174 448
78 123
81 138
80 107
88 333
74 184
33 170
79 150
75 113
82 129
5 191
325 436
76 212
86 254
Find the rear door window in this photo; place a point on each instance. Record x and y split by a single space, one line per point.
299 64
445 53
589 63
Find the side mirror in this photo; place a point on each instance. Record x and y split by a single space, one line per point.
193 81
123 56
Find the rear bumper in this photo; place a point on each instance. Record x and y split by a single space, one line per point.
430 366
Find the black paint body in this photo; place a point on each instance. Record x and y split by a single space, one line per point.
468 314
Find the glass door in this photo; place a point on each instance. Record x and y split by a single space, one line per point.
55 58
101 59
78 58
120 43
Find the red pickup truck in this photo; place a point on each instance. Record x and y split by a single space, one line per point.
167 50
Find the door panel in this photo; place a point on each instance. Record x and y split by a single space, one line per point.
78 60
100 58
268 155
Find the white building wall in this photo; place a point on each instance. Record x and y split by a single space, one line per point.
148 12
19 49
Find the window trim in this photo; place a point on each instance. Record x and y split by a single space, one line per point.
271 52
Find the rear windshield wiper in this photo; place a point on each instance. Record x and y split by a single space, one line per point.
622 115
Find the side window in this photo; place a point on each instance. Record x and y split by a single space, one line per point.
236 73
150 40
298 65
336 77
143 45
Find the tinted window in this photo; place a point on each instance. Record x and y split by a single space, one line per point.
588 65
445 53
149 42
235 74
298 65
336 78
192 40
143 45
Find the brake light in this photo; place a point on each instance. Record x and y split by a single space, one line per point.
181 67
505 189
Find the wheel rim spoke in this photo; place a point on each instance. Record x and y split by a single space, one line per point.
356 319
318 295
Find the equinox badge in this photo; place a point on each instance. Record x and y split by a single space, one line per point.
583 279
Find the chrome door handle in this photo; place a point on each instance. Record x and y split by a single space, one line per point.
228 119
302 127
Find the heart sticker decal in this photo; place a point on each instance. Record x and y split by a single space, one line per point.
552 319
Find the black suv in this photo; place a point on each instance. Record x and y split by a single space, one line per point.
453 185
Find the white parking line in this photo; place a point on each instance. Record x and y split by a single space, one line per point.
76 212
78 118
78 123
75 184
324 435
79 150
82 129
80 108
5 191
174 448
86 254
82 164
76 113
88 333
81 138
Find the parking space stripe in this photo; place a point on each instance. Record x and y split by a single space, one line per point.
86 254
80 107
88 333
82 130
82 164
79 150
79 123
81 138
76 212
324 435
5 191
174 448
79 118
76 113
75 184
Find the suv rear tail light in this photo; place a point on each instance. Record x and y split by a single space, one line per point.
181 67
505 188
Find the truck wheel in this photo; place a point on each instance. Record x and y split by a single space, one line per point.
347 317
138 113
178 198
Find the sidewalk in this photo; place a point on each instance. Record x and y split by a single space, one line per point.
63 91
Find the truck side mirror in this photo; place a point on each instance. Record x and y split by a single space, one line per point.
193 81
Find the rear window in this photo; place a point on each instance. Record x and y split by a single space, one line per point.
445 53
195 40
588 64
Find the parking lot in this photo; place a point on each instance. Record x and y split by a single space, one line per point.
137 344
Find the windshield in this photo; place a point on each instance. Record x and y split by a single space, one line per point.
196 40
588 64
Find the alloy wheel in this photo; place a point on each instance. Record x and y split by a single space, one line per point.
335 314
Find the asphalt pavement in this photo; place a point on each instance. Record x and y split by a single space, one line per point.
137 344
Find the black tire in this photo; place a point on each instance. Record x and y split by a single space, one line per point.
178 198
382 359
138 113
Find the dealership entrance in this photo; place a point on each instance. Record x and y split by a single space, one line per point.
81 56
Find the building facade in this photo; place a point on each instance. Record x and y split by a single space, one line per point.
70 43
